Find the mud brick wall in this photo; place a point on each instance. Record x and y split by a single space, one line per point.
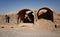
2 19
12 20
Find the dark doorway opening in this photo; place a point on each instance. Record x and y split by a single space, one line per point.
26 15
47 15
7 18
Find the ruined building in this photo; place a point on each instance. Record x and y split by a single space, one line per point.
29 16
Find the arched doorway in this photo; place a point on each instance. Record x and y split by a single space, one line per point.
45 13
26 16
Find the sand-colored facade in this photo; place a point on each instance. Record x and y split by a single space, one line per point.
13 17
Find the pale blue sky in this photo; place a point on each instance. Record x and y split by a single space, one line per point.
16 5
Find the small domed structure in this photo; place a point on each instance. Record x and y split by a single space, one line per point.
26 16
45 13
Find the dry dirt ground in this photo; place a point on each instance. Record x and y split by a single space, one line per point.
41 28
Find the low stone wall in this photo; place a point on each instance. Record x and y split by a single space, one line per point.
12 20
2 19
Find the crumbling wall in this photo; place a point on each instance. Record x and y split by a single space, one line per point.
2 19
56 19
13 19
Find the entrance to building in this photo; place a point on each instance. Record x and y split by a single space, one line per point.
45 13
7 18
26 15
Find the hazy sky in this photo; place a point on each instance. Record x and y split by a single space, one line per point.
16 5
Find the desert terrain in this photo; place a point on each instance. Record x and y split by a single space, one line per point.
42 28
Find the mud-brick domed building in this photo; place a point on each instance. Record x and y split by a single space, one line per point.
28 16
13 18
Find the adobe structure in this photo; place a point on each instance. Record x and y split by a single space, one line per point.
29 16
26 16
48 14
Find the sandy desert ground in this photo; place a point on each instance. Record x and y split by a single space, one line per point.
42 28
